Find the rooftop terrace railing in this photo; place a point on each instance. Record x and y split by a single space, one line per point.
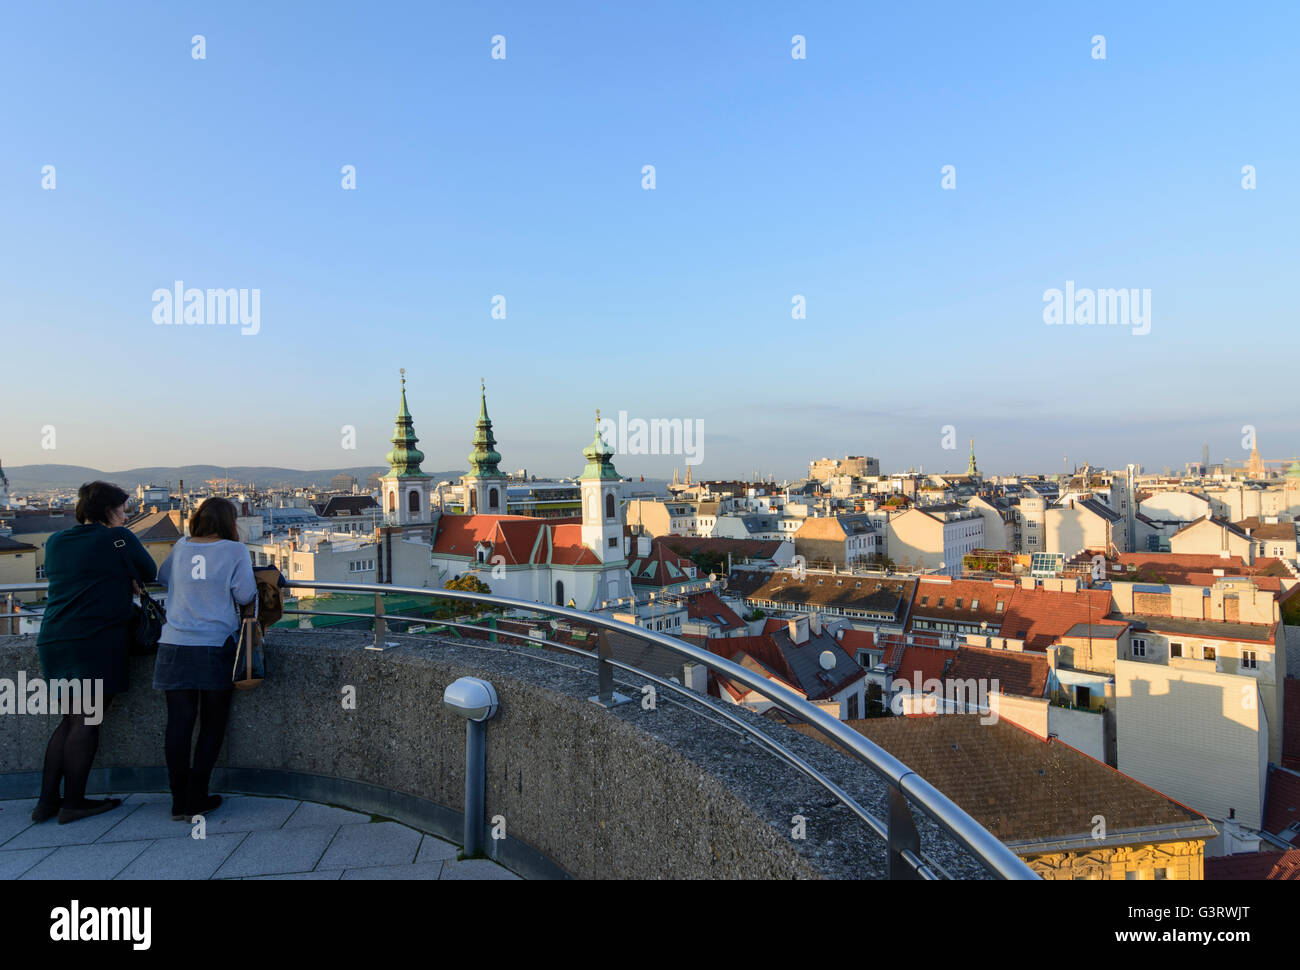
906 787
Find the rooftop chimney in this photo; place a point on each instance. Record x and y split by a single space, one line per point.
798 630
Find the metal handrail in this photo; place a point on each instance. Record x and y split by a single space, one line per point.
903 841
924 866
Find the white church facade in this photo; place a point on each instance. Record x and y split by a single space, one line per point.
579 562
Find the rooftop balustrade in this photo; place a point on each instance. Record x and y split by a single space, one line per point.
684 786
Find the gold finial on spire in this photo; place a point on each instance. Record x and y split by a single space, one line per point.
482 385
597 417
403 371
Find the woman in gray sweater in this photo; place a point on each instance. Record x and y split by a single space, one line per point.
206 575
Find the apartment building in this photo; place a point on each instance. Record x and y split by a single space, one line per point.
1273 539
661 517
1199 691
934 538
855 466
839 540
799 654
950 609
1211 536
1082 523
879 603
1001 524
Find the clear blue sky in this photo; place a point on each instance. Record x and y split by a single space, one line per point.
775 177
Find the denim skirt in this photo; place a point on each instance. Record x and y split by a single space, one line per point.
182 667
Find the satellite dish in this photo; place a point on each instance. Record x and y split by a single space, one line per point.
827 660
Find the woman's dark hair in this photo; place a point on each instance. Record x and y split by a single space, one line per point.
96 499
214 517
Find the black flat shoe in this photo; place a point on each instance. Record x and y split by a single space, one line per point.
67 815
204 805
43 811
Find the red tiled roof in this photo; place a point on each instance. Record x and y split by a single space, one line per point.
707 606
853 640
930 661
1183 560
941 597
568 548
518 539
1270 584
1024 674
1283 864
513 536
1283 804
654 569
761 648
1040 617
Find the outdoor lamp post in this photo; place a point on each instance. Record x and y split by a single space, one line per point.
476 701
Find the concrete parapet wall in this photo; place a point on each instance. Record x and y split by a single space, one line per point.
585 792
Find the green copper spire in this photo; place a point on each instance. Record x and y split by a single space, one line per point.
971 468
483 460
598 455
404 460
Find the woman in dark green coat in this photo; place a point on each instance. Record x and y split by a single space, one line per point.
84 636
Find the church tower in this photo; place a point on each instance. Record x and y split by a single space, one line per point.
602 515
972 470
485 483
405 489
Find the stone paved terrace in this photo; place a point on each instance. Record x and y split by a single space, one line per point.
247 838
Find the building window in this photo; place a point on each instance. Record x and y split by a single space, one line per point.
413 502
492 498
40 572
1208 652
1248 660
1162 873
609 505
1175 649
559 593
613 542
1139 647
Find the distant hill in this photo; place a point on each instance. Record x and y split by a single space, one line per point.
37 477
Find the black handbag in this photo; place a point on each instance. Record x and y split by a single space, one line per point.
144 629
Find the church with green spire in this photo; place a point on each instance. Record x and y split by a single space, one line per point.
578 562
404 489
485 483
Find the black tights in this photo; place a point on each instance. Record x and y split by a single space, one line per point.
68 758
211 708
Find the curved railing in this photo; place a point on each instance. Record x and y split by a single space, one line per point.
906 787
